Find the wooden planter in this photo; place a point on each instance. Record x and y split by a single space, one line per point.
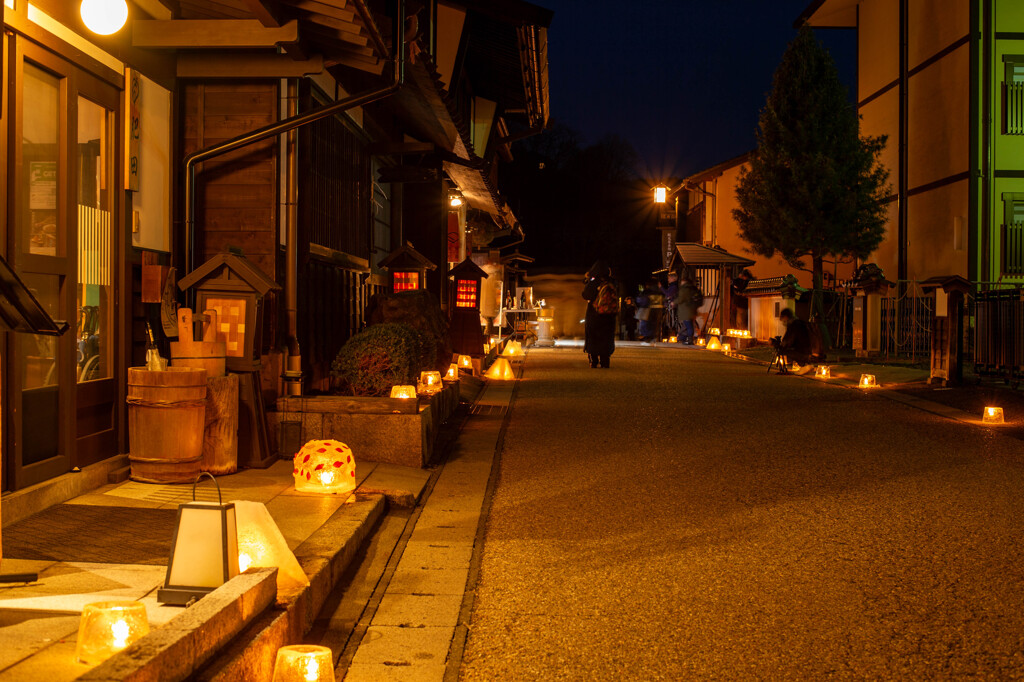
377 429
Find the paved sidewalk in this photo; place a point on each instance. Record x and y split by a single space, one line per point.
412 630
687 516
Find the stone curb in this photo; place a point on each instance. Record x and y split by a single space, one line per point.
324 557
175 650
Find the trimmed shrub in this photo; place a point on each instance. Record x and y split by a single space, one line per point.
382 356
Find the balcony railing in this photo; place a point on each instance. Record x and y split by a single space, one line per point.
1013 249
1013 108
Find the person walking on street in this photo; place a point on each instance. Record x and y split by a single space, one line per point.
688 301
602 296
670 291
654 301
628 317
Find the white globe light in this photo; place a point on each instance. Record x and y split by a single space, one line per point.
104 16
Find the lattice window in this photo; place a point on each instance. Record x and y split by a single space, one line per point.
406 281
465 294
231 323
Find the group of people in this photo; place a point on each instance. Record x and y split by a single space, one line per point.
661 310
669 307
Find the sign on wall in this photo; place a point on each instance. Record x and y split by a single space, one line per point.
132 129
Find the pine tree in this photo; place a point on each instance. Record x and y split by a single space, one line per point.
814 188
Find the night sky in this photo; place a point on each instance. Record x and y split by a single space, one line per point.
683 81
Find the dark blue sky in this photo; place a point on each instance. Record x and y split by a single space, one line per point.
682 80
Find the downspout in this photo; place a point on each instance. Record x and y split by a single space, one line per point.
903 177
293 375
293 368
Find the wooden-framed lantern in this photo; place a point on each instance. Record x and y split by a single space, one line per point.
231 285
464 308
407 269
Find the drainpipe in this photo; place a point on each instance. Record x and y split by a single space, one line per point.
293 374
902 179
293 368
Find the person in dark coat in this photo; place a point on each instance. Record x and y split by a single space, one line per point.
627 315
795 344
599 327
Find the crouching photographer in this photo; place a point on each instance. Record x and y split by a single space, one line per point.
795 344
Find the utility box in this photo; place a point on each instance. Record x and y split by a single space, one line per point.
867 316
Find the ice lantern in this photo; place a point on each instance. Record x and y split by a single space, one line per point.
403 392
868 381
453 373
325 466
992 415
465 362
304 663
430 382
407 269
107 627
204 551
501 370
824 372
262 545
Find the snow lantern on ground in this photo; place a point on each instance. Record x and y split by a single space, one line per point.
513 349
714 343
726 347
868 381
325 466
107 627
304 663
673 339
261 545
992 415
823 372
465 362
204 551
701 342
501 370
404 392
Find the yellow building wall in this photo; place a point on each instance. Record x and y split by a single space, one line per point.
880 116
934 26
939 119
931 232
878 58
886 255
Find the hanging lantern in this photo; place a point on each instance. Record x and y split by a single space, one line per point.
823 372
304 663
404 392
104 17
992 415
501 370
714 343
204 551
430 382
325 466
262 545
465 362
453 373
107 627
868 381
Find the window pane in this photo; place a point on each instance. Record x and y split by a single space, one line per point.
40 405
38 219
95 247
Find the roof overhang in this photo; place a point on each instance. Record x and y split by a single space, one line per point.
829 14
698 255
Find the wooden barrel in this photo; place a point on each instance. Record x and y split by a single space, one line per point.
166 419
208 355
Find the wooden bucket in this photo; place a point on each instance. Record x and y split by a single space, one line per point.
208 355
166 419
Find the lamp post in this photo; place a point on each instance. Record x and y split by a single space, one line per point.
104 16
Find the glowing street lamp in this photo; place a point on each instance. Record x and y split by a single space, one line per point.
660 194
455 198
104 16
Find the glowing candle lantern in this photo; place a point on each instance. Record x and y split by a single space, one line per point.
673 339
404 392
660 194
430 381
513 349
714 343
325 466
501 370
701 342
823 372
452 374
726 347
465 362
715 330
107 627
304 663
204 551
104 16
262 545
868 381
407 268
992 415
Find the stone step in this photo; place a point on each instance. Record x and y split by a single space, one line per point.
119 475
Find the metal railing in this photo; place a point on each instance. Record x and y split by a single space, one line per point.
1013 108
1013 249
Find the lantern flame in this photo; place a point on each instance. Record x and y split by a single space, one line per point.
244 562
120 631
312 671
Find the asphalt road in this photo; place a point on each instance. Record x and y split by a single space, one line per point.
684 515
